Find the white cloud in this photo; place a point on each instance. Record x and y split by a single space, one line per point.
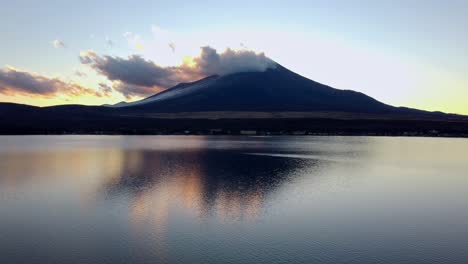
58 44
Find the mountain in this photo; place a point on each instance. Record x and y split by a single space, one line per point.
274 100
274 90
277 89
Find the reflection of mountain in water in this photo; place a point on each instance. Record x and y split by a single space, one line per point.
230 185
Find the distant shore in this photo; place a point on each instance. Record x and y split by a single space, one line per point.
27 120
434 134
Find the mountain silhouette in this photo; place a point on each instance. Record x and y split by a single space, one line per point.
276 100
277 89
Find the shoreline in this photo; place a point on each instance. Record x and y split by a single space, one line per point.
415 135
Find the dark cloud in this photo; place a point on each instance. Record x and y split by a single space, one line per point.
172 46
134 70
139 77
105 90
13 81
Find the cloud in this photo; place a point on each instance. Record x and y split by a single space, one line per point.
58 44
105 90
80 74
135 40
135 70
109 42
14 81
211 62
137 76
86 57
172 46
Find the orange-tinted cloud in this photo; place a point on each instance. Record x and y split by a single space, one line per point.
14 81
135 76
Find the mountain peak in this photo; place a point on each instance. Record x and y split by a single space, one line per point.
275 89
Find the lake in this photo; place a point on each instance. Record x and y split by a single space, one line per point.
203 199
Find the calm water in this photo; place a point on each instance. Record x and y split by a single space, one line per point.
168 199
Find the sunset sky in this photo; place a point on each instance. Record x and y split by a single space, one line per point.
402 52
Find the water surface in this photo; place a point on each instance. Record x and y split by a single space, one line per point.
170 199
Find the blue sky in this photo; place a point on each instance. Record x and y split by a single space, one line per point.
401 52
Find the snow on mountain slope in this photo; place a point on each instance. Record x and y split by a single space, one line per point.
179 90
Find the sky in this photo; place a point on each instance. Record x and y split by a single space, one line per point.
402 52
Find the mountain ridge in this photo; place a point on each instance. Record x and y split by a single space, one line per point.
277 89
276 100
